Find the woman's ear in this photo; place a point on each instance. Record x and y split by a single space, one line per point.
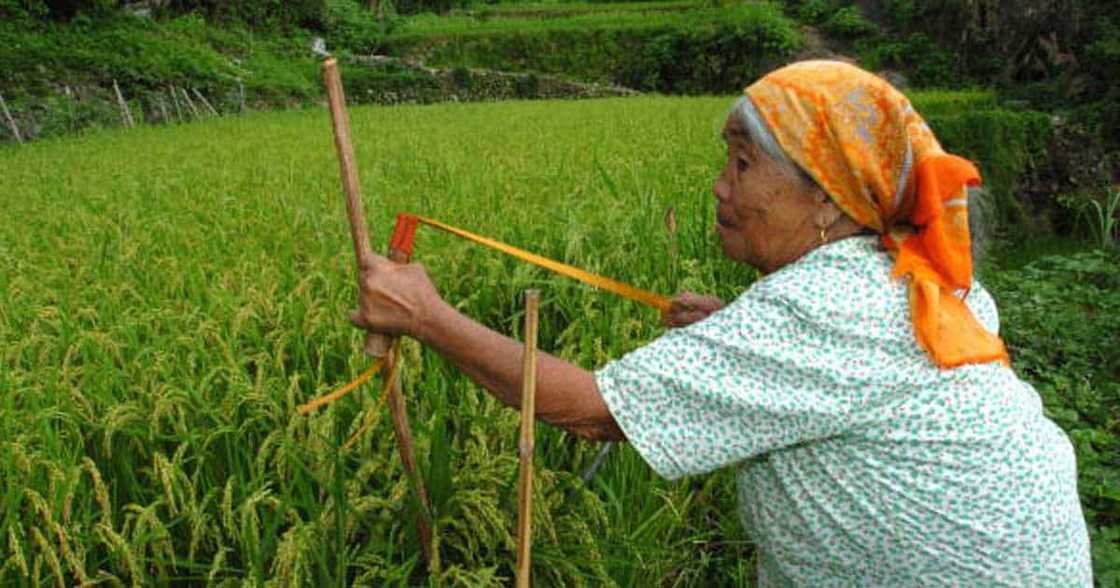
826 213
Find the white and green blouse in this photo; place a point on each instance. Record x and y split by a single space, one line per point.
859 462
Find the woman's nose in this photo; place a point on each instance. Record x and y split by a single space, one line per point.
721 189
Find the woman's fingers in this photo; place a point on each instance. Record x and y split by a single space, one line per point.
393 298
689 307
685 318
372 261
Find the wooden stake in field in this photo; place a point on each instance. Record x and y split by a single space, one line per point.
175 101
375 345
205 102
190 104
162 109
11 121
126 113
527 442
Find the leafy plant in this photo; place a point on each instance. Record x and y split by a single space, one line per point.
1105 218
1060 319
849 23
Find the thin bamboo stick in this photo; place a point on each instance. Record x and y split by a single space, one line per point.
527 441
205 102
162 110
190 104
11 121
126 113
375 345
175 101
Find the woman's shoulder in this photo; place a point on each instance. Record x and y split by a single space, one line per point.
850 281
852 270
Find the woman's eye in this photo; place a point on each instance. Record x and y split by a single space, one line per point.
741 163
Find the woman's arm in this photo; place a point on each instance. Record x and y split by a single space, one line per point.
400 299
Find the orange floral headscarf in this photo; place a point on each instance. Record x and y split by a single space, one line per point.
862 141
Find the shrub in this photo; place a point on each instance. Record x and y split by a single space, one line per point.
814 12
849 23
707 51
926 63
259 14
1060 317
1009 147
350 27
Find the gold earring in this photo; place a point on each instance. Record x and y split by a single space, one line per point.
823 239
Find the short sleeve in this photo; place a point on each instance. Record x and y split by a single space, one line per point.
755 377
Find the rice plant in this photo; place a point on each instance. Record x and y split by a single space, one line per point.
171 295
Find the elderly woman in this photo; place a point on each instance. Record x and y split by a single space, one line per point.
860 389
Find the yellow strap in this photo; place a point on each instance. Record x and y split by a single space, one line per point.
374 414
343 391
646 297
643 296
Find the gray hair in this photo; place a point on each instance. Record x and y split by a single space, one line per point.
759 133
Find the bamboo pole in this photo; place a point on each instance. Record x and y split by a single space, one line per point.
527 441
190 104
175 101
375 345
205 102
126 113
11 121
162 109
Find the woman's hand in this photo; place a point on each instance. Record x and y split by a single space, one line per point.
690 307
393 298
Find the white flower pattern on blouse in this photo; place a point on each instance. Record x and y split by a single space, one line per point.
859 462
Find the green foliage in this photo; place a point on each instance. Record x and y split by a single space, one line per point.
1097 214
815 12
848 23
352 28
704 51
131 51
22 10
1008 146
567 9
44 61
259 14
925 62
1061 319
165 324
935 103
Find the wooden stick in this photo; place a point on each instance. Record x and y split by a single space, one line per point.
190 104
175 100
375 345
241 95
11 121
205 102
126 113
527 443
162 109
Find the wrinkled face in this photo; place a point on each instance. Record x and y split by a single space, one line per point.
766 216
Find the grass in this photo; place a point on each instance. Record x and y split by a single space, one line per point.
459 26
173 293
562 9
169 314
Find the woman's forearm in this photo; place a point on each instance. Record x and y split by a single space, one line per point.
567 395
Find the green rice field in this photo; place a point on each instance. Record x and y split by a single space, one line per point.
170 295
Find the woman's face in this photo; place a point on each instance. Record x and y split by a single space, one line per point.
765 215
